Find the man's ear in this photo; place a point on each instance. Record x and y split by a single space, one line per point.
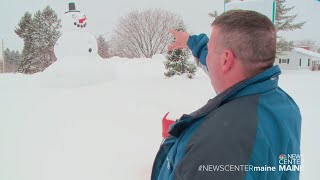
228 60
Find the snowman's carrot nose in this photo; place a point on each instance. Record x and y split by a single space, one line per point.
82 20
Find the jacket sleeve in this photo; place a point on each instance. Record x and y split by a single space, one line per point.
198 45
226 138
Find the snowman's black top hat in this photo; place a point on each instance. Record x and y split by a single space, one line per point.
72 8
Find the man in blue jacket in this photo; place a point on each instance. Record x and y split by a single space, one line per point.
251 126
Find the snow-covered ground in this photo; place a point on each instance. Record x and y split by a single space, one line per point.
112 129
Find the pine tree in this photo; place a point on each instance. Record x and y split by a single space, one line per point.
103 47
285 22
177 61
214 14
24 31
11 56
12 60
7 56
39 34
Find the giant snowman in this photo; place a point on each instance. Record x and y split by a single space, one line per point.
78 63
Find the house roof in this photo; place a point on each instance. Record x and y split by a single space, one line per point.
307 52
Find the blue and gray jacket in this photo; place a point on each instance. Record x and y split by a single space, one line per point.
247 126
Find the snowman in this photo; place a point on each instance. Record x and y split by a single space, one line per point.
75 39
78 63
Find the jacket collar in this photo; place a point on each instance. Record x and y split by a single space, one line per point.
263 82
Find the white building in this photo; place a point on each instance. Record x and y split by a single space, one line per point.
299 58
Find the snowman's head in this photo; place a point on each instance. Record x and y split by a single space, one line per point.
74 20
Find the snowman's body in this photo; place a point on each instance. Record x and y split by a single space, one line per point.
78 63
76 44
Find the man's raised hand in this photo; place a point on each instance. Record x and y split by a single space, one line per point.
181 39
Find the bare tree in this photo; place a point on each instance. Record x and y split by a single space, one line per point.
103 47
143 34
312 44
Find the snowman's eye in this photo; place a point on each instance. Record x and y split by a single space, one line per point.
90 50
74 16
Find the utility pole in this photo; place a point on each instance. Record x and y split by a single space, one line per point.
2 56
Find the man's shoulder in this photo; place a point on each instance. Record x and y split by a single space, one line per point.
237 108
232 118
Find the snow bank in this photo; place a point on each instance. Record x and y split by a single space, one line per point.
72 72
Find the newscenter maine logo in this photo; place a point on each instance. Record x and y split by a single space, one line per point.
290 162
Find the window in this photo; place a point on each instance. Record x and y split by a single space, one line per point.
300 62
316 62
285 61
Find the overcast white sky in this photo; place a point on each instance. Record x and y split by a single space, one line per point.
103 14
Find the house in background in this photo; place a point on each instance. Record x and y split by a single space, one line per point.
299 58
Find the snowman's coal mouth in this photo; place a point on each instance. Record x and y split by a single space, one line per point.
80 25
